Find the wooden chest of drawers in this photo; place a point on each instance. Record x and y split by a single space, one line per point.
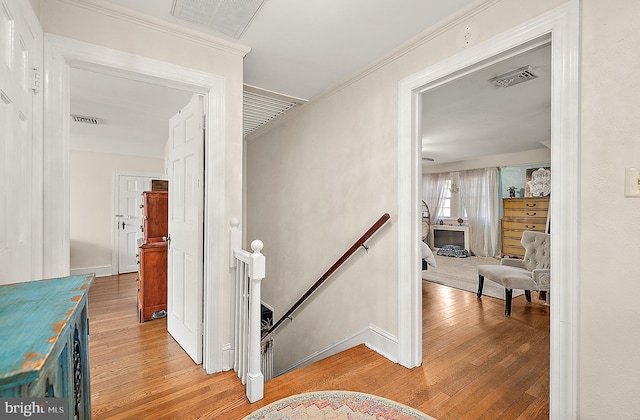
520 214
152 255
155 213
44 336
152 279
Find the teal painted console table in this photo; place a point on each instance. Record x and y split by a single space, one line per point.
44 341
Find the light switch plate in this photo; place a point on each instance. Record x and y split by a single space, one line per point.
632 182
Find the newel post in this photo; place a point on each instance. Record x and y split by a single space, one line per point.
255 378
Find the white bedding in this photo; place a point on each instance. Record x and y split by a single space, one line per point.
427 255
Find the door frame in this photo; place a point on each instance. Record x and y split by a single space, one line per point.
92 57
562 25
115 182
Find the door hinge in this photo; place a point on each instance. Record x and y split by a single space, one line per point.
204 122
36 80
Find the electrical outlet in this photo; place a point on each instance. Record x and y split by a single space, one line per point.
632 182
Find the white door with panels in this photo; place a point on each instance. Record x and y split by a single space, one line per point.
186 228
20 55
128 217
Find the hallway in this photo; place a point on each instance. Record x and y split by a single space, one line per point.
476 363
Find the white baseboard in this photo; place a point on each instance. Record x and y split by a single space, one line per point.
100 271
227 357
383 343
373 337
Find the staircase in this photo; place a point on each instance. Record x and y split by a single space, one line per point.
253 343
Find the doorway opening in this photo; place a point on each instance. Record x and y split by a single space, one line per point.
561 25
127 192
65 53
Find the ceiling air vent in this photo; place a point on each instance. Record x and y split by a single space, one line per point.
262 106
85 120
515 77
230 17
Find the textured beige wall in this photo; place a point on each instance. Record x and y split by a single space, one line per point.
320 177
35 5
91 203
609 336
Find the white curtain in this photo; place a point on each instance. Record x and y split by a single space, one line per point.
433 192
479 193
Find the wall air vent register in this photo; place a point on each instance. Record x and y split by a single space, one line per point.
512 78
85 120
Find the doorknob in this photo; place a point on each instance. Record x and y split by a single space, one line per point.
167 239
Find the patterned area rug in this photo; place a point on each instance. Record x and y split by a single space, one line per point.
336 405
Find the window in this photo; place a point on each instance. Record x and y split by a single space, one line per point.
452 205
445 210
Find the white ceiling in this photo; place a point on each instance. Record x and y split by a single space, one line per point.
471 117
133 117
302 49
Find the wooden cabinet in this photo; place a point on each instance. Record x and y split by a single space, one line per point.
154 215
44 338
520 214
152 279
152 256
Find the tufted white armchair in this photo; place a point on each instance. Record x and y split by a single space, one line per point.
530 273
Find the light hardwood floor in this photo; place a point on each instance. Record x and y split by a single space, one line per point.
476 363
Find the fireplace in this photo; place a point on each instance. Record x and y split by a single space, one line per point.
442 235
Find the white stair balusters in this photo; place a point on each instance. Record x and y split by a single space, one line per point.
249 272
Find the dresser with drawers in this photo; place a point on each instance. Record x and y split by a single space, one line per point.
520 214
152 256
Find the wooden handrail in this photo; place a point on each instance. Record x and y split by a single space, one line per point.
360 242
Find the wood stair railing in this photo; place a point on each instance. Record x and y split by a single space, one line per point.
359 243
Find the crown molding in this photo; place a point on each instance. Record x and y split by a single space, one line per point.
150 22
425 36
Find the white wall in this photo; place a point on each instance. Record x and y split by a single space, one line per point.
35 5
317 179
609 335
91 203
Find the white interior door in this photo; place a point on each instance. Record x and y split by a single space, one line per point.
18 45
128 219
186 212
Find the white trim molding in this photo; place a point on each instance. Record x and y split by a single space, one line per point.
56 225
560 26
372 336
99 271
88 56
118 12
